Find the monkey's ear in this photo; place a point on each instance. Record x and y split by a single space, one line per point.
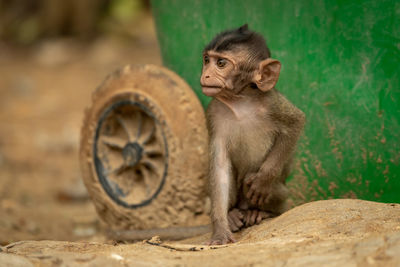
267 74
243 28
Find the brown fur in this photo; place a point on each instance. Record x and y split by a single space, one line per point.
253 132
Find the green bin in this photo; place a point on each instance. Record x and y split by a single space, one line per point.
341 66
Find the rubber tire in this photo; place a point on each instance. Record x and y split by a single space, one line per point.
183 123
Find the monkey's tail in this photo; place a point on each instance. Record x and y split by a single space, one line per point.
170 233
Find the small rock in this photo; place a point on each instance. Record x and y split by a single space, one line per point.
84 231
85 258
117 257
75 192
155 239
32 228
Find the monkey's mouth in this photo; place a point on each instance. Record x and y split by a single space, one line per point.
210 90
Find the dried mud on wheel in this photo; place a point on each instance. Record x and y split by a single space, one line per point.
143 149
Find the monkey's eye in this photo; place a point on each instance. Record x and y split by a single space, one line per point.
206 59
221 62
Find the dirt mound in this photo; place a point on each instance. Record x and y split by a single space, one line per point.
322 233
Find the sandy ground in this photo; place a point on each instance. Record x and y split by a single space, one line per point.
322 233
43 92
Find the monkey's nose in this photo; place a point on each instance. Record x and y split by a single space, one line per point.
207 76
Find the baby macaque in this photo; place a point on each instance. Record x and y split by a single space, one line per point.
253 132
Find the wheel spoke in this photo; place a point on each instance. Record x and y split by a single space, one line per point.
153 150
153 153
146 179
150 136
117 170
113 142
123 124
150 166
140 124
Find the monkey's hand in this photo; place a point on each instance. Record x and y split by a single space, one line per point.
260 187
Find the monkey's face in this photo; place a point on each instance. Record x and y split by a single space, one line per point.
227 73
218 72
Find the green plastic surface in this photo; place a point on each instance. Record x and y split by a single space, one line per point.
341 66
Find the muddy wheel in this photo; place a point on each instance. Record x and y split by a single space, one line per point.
143 149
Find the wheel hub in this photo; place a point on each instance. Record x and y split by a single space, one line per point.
132 154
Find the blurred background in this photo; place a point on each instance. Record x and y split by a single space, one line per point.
53 54
340 65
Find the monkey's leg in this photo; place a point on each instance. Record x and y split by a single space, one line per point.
277 203
220 190
219 216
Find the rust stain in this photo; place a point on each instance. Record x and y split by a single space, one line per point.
386 170
335 144
319 169
316 186
351 194
326 104
332 187
364 155
299 186
352 180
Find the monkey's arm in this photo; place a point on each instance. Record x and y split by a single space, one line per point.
290 121
285 143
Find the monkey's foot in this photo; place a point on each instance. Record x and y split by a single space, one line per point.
252 217
235 219
221 238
